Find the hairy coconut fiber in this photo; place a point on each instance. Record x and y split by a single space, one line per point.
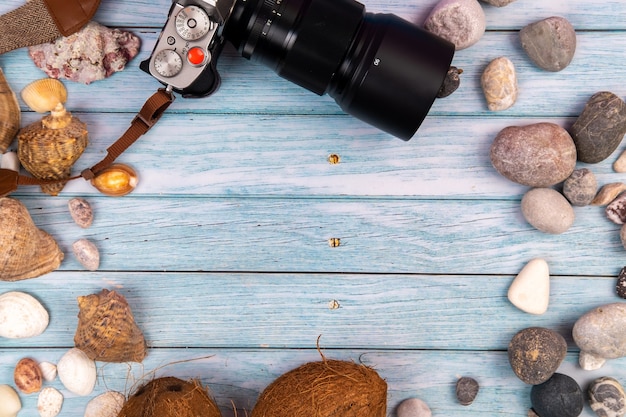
170 397
330 388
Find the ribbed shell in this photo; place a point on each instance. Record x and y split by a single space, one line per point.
10 116
25 250
107 330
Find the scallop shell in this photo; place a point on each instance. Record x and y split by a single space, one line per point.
10 403
108 404
49 148
48 371
107 330
21 316
116 180
10 115
44 95
77 372
49 402
27 376
25 250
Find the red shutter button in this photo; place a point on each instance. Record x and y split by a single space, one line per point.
195 56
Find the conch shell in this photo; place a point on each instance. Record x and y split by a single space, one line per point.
49 148
25 250
107 330
10 116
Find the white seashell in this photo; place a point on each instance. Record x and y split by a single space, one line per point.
48 371
10 161
77 372
21 316
10 403
49 402
108 404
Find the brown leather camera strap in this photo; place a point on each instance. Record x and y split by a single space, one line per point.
149 114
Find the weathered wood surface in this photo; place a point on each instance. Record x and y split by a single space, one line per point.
223 250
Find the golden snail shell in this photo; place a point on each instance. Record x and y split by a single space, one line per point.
44 95
107 330
25 250
116 180
10 115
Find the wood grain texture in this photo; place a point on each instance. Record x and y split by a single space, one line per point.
223 249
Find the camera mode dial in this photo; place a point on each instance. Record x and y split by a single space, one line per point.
192 23
168 63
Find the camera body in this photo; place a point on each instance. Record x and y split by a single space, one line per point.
378 67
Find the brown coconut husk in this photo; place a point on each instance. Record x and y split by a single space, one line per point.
329 388
170 397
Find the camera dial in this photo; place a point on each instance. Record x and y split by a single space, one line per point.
192 23
168 63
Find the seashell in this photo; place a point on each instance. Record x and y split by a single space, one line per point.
48 371
25 250
107 330
44 95
27 376
10 403
108 404
81 212
49 148
21 316
116 180
87 254
10 114
608 193
49 402
77 372
9 160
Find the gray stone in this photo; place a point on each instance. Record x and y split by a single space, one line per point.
466 390
581 187
560 396
549 43
498 3
461 22
535 353
536 155
607 397
413 407
547 210
601 334
600 128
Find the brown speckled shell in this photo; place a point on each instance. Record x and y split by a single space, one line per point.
107 330
25 250
10 115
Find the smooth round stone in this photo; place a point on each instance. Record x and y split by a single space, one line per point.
413 407
601 334
535 353
536 155
498 3
581 187
530 290
560 396
607 397
600 128
461 22
547 210
549 43
499 84
466 390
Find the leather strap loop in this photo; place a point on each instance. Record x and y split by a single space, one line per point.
71 15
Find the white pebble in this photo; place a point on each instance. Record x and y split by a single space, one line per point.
530 290
413 407
461 22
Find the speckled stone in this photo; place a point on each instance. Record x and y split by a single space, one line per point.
535 353
600 128
620 286
607 397
560 396
461 22
616 210
466 390
547 210
581 187
413 407
536 155
550 43
601 334
499 84
498 3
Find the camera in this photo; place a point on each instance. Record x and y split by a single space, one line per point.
379 68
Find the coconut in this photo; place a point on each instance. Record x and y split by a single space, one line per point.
324 389
170 397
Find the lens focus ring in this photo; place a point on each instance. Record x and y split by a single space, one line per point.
264 19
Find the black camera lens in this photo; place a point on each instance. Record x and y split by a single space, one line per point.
378 67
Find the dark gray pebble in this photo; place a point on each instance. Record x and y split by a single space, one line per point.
549 43
600 128
620 287
581 187
451 82
559 396
466 390
535 353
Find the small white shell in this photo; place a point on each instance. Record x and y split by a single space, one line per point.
21 316
48 371
10 403
108 404
49 402
10 161
77 372
87 254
